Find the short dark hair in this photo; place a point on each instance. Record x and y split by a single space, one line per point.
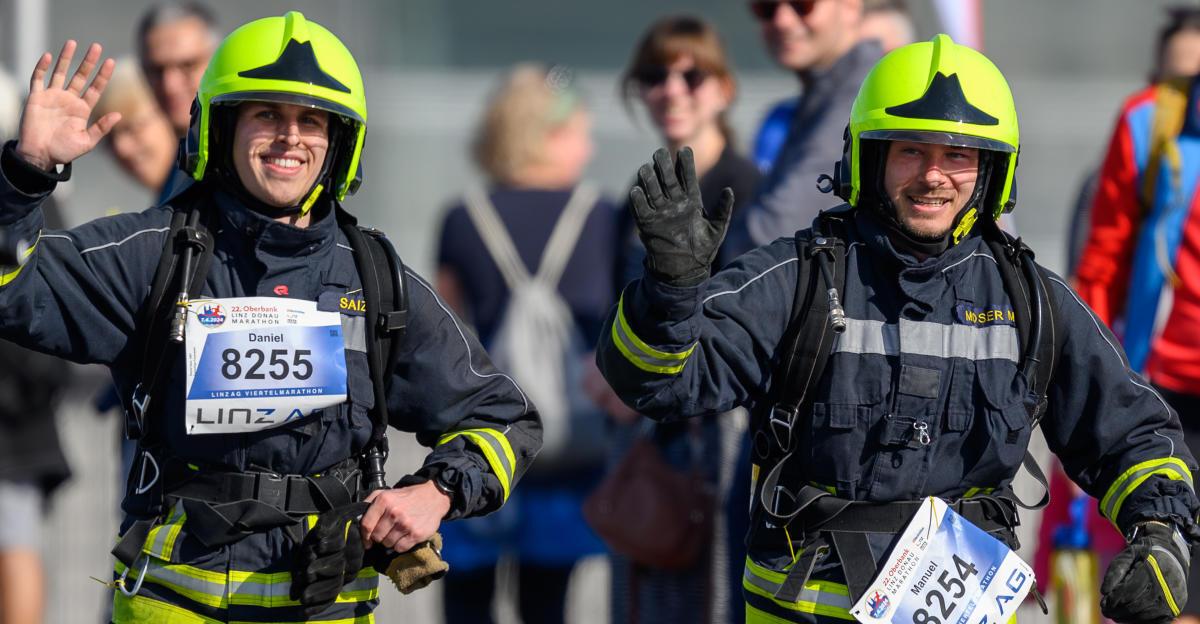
171 11
1179 19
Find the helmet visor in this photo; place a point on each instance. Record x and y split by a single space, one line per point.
939 138
283 97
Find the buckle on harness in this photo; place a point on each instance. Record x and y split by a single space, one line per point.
782 421
135 415
271 489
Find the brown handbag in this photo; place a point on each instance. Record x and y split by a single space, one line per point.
652 513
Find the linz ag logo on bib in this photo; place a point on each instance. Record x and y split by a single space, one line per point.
879 604
984 316
211 316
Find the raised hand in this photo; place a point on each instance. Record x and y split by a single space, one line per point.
54 123
681 240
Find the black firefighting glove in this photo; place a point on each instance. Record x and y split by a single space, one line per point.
329 557
681 240
1147 581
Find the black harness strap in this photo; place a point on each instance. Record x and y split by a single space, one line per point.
809 337
385 294
189 235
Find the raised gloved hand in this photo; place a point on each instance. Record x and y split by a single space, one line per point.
329 557
1147 581
681 240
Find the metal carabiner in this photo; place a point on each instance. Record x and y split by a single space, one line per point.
137 585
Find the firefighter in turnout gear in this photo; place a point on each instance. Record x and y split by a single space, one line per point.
902 348
261 340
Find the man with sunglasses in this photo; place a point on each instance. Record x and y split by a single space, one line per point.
819 41
896 358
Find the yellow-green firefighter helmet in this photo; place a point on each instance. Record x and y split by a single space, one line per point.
938 92
291 60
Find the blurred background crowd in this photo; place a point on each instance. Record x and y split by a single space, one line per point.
503 137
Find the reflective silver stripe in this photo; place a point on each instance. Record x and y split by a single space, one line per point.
218 590
201 586
160 542
995 342
814 596
273 590
868 337
354 332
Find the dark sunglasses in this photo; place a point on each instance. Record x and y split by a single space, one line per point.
655 75
765 9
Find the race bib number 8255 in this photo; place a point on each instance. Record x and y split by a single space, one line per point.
259 362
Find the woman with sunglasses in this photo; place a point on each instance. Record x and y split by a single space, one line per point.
681 76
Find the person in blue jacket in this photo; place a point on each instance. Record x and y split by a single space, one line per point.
263 416
924 392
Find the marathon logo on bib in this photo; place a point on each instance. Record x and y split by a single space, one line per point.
985 316
945 570
255 363
211 316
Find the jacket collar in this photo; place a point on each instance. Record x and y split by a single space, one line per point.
875 236
271 236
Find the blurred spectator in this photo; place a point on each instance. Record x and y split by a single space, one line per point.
175 41
682 77
1140 267
533 144
819 41
143 142
1176 55
886 21
32 464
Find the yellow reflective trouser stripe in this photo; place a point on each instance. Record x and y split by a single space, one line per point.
160 542
143 609
1162 583
217 590
823 598
8 274
642 355
496 450
975 491
362 619
1169 467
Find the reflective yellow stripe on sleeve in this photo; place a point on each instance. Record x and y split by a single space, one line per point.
8 274
496 449
642 355
1170 467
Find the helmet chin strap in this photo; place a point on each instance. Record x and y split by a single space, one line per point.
960 227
